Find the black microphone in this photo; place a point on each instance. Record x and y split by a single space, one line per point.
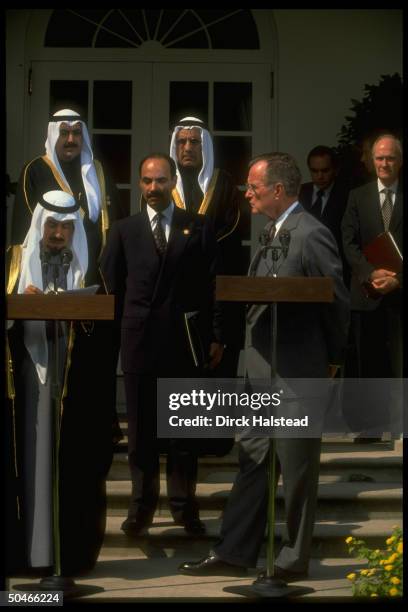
264 239
45 260
66 258
284 239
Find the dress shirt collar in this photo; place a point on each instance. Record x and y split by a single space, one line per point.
167 213
280 220
393 187
326 191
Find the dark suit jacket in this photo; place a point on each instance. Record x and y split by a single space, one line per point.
153 295
310 336
362 222
333 211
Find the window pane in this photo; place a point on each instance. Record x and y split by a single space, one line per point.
233 106
112 105
188 98
69 94
232 153
114 153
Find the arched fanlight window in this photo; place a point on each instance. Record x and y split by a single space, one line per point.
172 29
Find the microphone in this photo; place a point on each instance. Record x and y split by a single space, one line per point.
45 260
284 238
264 239
66 258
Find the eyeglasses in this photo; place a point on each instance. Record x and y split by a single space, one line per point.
253 188
193 141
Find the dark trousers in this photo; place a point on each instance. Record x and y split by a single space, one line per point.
245 516
143 454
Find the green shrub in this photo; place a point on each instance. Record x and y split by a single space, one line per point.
383 576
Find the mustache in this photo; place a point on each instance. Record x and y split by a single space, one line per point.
152 194
70 146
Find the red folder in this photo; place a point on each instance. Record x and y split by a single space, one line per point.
383 252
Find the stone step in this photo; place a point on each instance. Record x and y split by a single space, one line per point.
379 462
348 500
165 538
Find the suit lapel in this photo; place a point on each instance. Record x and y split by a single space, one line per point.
396 218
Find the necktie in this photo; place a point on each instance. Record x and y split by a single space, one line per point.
158 234
272 232
317 204
386 209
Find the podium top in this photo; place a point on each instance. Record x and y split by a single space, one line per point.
266 289
61 307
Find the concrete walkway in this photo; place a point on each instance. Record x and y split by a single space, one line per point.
129 576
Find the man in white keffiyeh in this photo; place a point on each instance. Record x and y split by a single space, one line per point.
69 165
210 191
54 257
56 226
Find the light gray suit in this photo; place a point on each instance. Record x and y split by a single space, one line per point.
310 337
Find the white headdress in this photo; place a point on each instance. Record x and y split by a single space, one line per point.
88 171
207 169
31 271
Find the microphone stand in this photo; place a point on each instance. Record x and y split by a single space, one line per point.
267 585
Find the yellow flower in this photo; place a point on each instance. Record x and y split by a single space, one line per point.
390 540
383 561
349 539
351 576
371 572
388 568
373 595
392 558
393 592
399 548
395 580
364 572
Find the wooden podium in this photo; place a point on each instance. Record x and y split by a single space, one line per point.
272 290
59 307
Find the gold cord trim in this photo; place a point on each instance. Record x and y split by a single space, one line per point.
57 175
177 199
104 210
210 192
230 232
16 254
24 183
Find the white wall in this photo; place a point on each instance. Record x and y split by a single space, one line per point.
325 59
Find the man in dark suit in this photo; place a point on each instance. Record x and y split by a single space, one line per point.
160 264
325 197
376 297
310 343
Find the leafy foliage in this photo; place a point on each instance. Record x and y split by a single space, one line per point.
381 107
383 577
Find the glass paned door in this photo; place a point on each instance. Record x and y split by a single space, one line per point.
131 108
